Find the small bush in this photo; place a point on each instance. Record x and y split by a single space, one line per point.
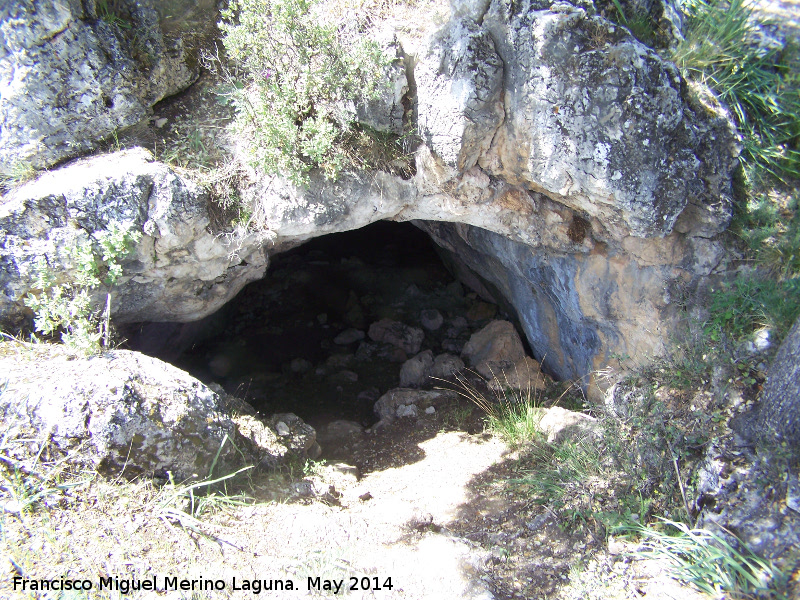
769 297
68 307
305 78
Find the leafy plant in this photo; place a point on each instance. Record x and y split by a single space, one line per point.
68 307
18 174
305 79
760 86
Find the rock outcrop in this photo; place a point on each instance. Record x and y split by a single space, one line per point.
128 414
180 271
74 73
568 171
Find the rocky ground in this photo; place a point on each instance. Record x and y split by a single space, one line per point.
422 503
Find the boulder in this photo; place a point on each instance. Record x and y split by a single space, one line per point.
431 319
407 338
128 414
524 376
73 74
445 365
776 418
560 424
415 371
339 430
494 349
348 336
296 435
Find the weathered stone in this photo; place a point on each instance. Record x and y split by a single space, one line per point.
445 365
339 430
524 376
409 339
493 349
415 371
348 336
126 413
180 270
386 112
70 77
732 497
387 405
459 93
296 435
560 424
776 418
409 411
431 319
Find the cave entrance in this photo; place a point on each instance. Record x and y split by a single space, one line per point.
297 340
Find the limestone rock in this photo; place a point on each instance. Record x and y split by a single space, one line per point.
386 112
600 120
445 365
409 411
339 430
776 418
126 413
459 90
70 77
415 371
407 338
348 336
732 496
180 271
295 434
387 405
493 349
431 319
561 424
524 376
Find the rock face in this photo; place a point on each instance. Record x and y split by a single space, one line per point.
130 414
180 270
568 172
73 73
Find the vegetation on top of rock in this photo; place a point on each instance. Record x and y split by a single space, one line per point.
305 80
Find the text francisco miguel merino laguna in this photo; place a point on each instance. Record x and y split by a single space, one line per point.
201 584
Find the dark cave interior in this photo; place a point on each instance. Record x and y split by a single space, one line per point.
275 345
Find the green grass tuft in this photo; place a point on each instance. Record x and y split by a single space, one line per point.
761 87
710 563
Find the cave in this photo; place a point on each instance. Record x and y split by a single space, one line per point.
296 340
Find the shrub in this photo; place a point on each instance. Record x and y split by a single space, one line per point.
68 307
305 78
